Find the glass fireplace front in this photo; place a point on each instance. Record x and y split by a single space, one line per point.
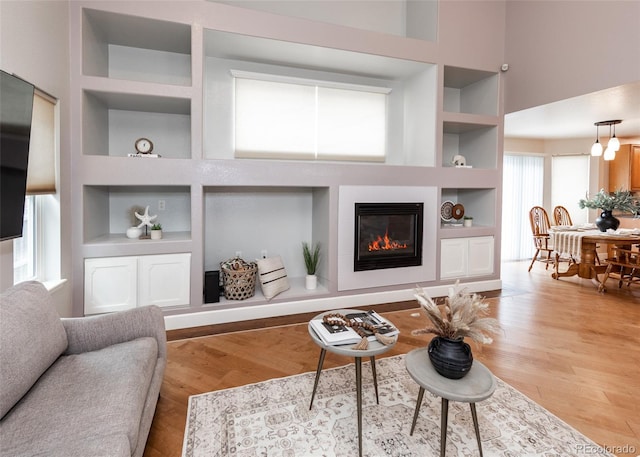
387 235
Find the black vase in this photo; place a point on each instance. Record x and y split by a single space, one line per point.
607 221
451 358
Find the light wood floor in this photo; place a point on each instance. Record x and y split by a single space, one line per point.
572 350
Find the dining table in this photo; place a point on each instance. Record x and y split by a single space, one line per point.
579 245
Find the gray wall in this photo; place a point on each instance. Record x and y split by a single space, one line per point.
560 49
34 45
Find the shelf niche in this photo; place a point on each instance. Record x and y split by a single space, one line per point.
277 220
478 203
109 211
112 122
470 91
412 102
134 48
478 143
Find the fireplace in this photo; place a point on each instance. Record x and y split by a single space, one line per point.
387 235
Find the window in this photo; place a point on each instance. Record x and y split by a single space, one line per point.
294 118
522 189
33 259
570 183
24 248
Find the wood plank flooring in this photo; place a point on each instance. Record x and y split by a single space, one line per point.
572 350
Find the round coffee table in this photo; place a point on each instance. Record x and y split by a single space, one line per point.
479 384
375 348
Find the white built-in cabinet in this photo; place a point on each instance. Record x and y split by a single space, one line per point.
120 283
163 73
466 257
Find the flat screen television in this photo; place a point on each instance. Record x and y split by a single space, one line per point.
16 106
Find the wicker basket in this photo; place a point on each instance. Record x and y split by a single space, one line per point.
239 278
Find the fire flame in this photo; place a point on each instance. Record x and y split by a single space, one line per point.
385 243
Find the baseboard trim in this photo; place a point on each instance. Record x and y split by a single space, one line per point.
270 314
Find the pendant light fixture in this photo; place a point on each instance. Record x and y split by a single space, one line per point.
613 141
596 149
612 146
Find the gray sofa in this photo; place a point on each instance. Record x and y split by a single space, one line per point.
84 387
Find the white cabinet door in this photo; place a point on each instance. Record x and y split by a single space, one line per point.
453 258
480 257
164 279
464 257
110 284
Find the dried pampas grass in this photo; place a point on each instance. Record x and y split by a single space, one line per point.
461 315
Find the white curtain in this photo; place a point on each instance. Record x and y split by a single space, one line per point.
570 183
522 188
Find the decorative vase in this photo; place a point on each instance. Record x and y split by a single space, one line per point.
156 234
607 221
310 282
134 232
450 358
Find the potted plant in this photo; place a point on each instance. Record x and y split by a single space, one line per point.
311 260
460 315
156 231
468 221
621 200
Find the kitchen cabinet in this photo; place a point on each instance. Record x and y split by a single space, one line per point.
624 171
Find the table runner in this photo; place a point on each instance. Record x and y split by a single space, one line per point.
568 243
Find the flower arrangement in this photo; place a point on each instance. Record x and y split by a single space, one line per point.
460 315
620 199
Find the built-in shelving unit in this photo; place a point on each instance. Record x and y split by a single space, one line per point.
164 73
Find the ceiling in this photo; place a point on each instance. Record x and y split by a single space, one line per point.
575 117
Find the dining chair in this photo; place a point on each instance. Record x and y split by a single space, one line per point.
561 216
627 264
539 221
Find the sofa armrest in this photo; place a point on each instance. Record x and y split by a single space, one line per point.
96 332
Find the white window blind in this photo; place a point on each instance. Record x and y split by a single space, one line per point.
570 183
41 171
523 180
282 117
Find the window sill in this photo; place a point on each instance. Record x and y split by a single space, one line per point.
54 284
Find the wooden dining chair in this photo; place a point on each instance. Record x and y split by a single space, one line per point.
539 221
626 263
561 216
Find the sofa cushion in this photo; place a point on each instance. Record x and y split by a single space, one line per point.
31 339
89 397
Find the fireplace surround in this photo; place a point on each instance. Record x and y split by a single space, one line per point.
387 235
386 279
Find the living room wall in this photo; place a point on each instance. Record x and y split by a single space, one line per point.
561 49
34 45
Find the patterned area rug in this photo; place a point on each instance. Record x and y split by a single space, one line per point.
273 419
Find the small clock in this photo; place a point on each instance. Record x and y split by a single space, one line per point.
144 145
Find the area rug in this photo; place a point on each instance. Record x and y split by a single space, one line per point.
272 419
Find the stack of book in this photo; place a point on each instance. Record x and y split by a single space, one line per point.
148 156
338 334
